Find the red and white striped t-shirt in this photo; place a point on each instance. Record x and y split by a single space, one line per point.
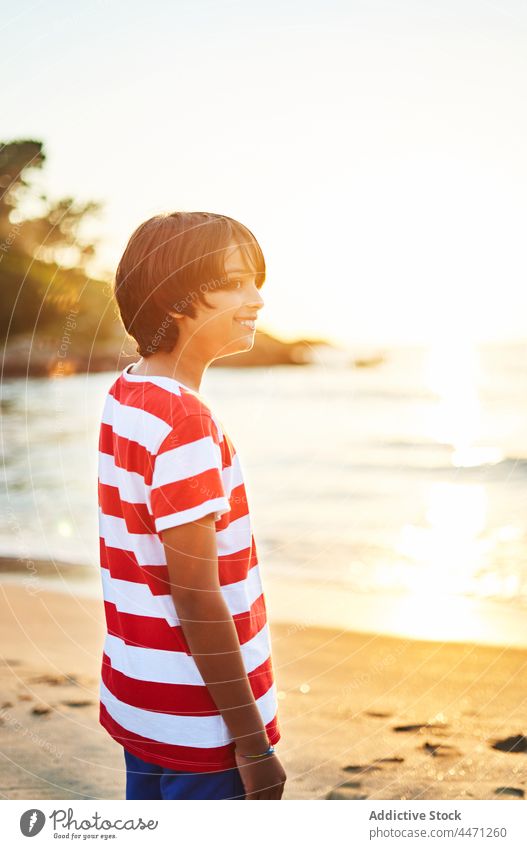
164 460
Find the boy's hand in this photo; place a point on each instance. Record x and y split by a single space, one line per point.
263 778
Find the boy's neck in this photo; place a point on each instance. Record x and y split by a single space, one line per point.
158 365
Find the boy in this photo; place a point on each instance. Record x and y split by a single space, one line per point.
187 677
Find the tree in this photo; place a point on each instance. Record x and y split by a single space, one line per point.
17 160
43 260
55 234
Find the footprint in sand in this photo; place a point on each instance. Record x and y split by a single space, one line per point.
79 703
55 680
362 768
510 791
377 713
334 794
418 726
40 710
347 790
517 743
440 750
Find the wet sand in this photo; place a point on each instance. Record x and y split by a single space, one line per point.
362 716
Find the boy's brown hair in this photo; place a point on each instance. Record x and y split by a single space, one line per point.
170 261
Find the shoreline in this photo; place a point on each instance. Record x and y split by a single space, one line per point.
361 715
322 604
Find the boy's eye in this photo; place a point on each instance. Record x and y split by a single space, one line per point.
238 284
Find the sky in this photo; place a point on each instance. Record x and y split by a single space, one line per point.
376 149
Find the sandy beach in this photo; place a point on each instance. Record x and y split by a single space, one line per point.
362 716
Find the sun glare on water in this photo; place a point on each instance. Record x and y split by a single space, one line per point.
450 547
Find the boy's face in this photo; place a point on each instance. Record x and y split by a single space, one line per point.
217 331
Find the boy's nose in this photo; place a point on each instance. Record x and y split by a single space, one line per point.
255 300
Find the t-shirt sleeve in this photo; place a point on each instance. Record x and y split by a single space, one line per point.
187 481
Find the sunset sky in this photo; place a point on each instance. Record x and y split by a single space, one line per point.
376 149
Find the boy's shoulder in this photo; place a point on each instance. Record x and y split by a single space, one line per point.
169 400
167 412
184 403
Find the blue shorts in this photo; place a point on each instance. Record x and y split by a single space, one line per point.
151 781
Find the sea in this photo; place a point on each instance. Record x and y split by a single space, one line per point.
389 498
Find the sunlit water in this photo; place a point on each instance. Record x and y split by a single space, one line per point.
388 499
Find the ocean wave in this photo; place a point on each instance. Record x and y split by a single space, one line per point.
423 445
513 463
510 466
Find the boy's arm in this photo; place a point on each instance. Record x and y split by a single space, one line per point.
209 629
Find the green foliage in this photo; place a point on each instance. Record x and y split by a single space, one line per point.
17 160
43 260
36 298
